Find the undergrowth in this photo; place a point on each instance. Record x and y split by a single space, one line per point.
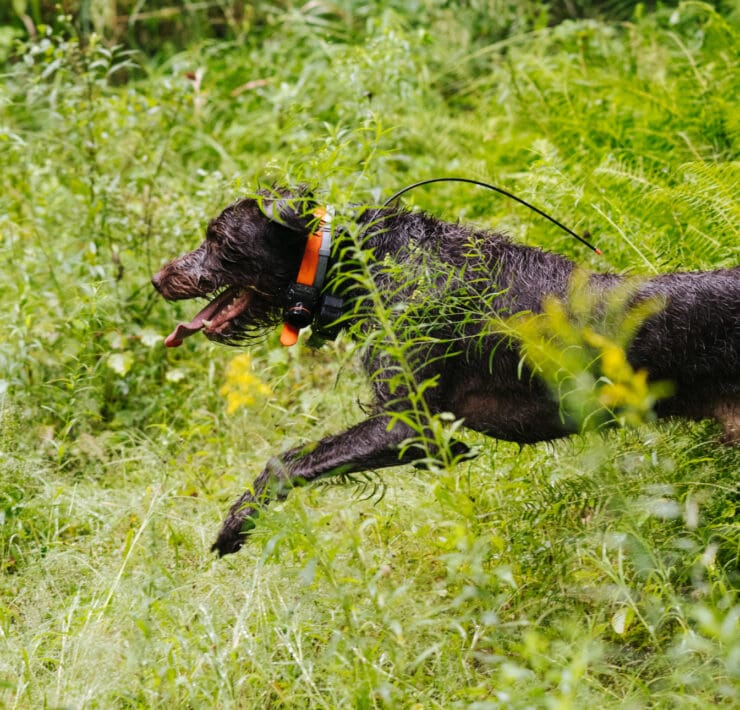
598 569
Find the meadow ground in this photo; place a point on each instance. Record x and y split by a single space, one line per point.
599 570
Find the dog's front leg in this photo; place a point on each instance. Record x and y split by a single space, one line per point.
369 445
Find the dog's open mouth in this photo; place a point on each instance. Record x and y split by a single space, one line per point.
214 319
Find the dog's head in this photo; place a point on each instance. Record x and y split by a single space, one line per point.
251 254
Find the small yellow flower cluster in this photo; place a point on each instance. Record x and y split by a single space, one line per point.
242 387
580 349
620 387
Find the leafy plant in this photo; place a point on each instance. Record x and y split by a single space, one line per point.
580 349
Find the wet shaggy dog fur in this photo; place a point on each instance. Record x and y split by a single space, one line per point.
252 253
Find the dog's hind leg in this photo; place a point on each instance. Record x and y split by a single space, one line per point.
372 444
727 413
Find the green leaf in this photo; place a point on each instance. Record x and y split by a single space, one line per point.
120 363
622 619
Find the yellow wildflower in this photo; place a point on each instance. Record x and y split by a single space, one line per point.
242 387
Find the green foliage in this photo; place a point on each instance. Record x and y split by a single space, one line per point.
165 26
593 570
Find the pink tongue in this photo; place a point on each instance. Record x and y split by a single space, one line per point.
185 330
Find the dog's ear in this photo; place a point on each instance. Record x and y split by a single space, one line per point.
294 209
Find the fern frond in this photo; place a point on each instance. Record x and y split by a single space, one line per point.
710 190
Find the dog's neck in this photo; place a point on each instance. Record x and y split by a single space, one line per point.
319 295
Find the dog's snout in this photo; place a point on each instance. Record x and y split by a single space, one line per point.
157 281
185 277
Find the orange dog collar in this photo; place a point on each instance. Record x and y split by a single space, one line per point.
303 294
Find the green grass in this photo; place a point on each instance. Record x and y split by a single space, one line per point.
601 570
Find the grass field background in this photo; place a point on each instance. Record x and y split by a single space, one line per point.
601 570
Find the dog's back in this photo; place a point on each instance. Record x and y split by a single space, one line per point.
693 341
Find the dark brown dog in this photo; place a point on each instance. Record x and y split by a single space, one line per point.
438 287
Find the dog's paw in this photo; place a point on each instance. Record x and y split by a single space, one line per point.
234 531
